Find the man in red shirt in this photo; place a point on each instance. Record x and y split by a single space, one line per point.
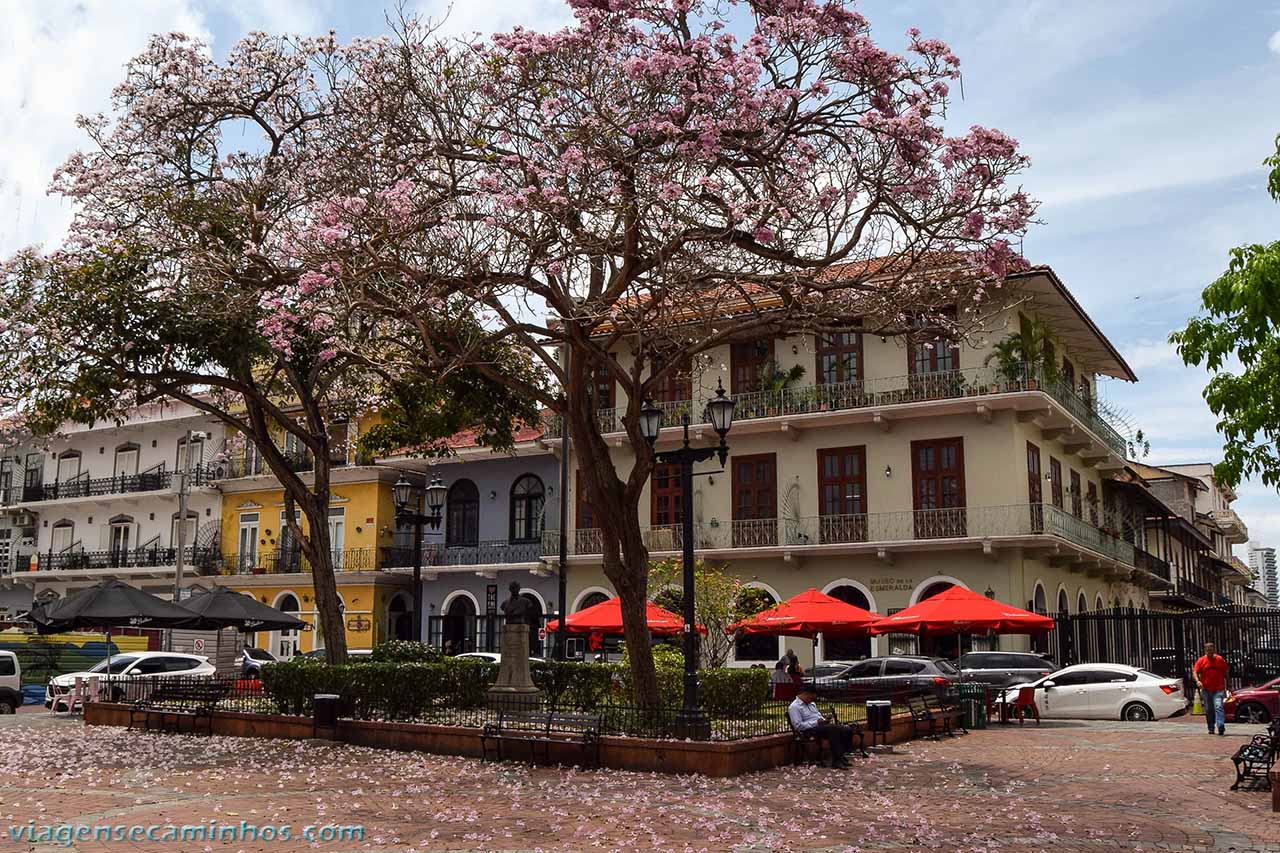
1210 672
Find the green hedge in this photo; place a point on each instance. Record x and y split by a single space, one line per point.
380 689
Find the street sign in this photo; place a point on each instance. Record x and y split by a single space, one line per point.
198 644
491 599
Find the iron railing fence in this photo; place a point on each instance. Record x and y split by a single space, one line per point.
198 558
1168 643
293 561
882 527
885 391
484 552
761 718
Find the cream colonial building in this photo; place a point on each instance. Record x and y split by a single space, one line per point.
102 501
888 472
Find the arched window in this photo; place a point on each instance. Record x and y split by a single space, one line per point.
63 536
285 643
848 648
288 603
527 498
1082 603
1063 601
591 599
934 589
126 461
462 514
1040 604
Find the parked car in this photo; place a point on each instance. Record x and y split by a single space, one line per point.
10 683
1106 691
129 666
890 674
490 657
251 660
1259 704
1002 669
319 654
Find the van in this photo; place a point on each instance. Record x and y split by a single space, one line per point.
10 683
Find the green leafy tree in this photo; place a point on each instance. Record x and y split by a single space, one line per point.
1237 337
715 603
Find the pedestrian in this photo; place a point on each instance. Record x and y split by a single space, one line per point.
805 717
789 659
1210 672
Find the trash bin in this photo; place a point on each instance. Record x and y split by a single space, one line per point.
326 709
973 704
879 719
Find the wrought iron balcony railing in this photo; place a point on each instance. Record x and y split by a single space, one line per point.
293 561
886 527
885 391
198 559
154 479
487 552
1151 564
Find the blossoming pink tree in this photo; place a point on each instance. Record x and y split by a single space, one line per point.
183 277
620 198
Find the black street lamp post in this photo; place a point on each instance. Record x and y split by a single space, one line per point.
402 492
690 722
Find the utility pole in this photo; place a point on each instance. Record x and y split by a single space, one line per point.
184 489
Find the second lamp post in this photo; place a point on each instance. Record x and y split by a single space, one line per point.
690 722
403 493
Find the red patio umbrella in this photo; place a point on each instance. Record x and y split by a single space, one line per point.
962 611
606 618
807 615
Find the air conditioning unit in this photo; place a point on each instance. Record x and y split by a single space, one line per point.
24 519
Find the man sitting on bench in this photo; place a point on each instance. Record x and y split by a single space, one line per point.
805 717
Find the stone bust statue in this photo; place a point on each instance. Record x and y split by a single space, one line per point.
517 608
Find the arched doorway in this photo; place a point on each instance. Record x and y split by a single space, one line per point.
400 618
755 648
937 645
284 644
847 648
458 628
1040 604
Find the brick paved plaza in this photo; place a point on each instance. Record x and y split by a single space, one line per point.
1063 786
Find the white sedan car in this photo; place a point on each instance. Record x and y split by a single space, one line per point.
127 667
1105 691
489 657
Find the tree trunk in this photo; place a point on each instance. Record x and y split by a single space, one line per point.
625 557
324 582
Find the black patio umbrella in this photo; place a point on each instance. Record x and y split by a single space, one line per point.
225 608
109 604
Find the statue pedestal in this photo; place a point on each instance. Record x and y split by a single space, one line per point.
514 689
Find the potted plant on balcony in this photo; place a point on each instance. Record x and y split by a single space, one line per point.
1025 358
774 381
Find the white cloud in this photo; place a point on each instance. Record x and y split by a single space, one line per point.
1273 43
464 17
61 59
1146 355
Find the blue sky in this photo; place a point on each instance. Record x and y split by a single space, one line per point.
1146 122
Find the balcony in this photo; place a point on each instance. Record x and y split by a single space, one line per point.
1019 520
485 553
1151 564
1231 525
293 561
152 480
883 392
201 560
1191 592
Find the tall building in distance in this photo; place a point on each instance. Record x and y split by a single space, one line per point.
1263 561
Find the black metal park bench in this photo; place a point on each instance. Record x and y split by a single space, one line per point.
802 741
930 717
542 729
166 705
947 712
1255 759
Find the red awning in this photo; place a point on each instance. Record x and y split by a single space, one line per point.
808 614
963 611
606 618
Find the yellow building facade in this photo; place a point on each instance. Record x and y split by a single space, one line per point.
262 559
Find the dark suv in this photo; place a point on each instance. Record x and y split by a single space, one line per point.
1004 669
893 674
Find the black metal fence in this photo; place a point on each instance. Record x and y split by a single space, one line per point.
237 694
1168 644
